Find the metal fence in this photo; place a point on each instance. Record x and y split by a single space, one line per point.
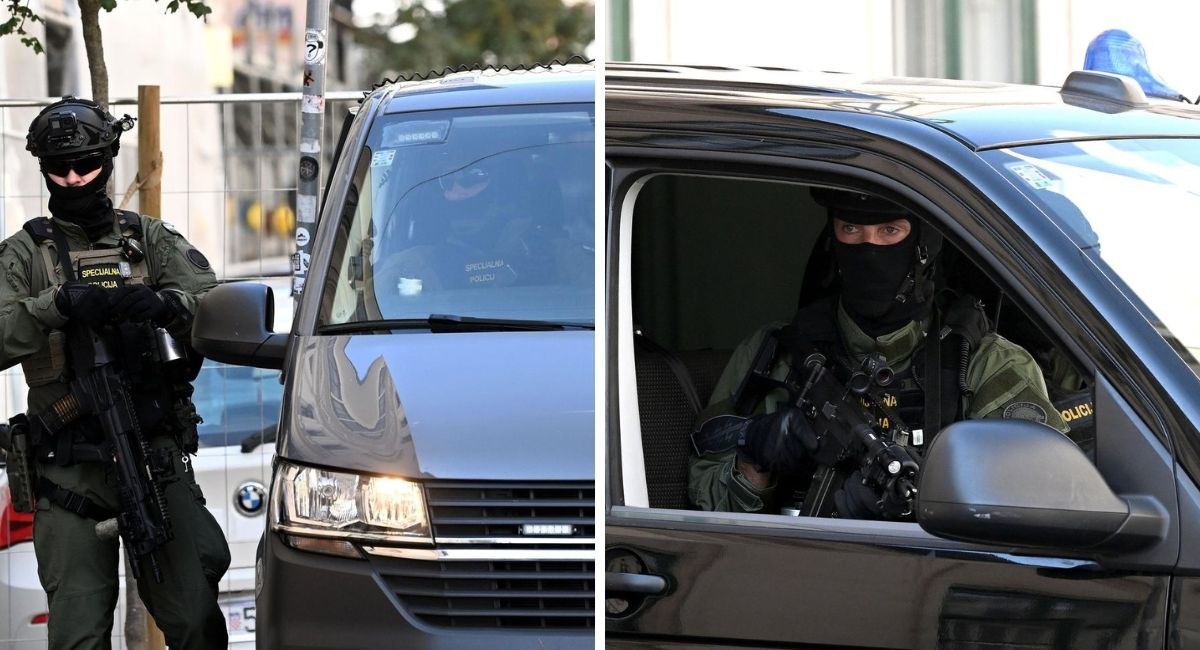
228 180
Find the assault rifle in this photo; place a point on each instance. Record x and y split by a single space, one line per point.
101 386
843 415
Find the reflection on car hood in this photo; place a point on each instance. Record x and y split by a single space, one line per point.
492 405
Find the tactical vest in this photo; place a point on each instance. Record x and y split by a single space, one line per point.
814 328
105 267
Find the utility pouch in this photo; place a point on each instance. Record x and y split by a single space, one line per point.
22 475
47 367
185 420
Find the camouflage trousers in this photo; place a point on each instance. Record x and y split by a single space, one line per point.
79 571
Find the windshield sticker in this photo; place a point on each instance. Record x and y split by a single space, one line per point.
383 158
1032 176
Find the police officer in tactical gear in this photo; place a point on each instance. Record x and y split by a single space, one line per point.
89 265
884 258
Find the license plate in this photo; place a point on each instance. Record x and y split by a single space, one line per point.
239 615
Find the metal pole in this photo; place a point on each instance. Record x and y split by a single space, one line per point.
312 117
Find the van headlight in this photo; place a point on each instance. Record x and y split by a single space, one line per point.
347 507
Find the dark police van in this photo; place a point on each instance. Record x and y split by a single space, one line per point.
1069 212
434 474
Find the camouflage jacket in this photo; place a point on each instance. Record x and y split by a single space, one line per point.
27 310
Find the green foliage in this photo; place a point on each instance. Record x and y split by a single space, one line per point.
19 13
197 7
487 32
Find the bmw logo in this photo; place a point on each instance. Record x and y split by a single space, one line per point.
250 498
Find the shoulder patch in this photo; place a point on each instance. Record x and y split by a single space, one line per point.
170 228
1025 411
198 259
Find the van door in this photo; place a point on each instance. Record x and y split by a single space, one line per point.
701 253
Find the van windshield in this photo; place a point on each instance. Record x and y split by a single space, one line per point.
480 212
1129 205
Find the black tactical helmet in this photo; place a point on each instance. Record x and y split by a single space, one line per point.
71 127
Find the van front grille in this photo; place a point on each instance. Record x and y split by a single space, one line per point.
506 556
484 511
517 595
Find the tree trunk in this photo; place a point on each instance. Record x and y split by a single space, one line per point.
89 13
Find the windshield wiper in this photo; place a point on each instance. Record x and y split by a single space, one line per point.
372 326
438 323
256 439
453 323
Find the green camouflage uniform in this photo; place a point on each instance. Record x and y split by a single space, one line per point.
1000 374
76 568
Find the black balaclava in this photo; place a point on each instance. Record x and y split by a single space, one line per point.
885 287
87 206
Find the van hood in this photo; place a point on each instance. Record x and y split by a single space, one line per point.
474 405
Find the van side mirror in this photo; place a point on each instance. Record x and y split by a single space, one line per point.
234 325
1023 483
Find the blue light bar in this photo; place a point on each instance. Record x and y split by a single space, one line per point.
1115 51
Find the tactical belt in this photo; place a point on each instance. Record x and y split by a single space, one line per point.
73 501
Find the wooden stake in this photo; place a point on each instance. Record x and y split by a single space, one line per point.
149 153
150 203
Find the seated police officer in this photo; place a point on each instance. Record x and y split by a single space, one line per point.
756 450
87 274
488 224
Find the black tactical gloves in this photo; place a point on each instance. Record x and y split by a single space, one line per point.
780 441
856 500
138 302
83 302
878 498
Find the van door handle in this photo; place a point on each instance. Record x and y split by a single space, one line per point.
634 583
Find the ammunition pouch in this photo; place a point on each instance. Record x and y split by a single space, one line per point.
63 437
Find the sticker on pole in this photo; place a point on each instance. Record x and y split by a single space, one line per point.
314 46
306 209
300 261
312 104
302 236
308 168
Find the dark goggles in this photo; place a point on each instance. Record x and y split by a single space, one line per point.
464 177
82 166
